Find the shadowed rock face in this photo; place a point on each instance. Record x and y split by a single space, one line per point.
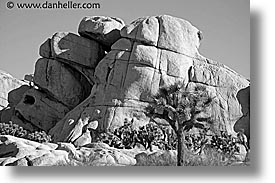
77 52
36 110
243 97
61 82
153 52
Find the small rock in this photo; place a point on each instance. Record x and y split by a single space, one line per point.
84 139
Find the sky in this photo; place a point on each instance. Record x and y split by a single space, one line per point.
225 25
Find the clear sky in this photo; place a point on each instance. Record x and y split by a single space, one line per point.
225 25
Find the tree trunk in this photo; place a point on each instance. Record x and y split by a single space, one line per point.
181 152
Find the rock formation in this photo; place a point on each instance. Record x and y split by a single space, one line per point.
153 52
63 78
93 82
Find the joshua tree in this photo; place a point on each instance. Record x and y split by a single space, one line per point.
182 110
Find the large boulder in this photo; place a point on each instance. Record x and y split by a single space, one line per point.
7 84
77 52
154 52
61 82
165 32
38 111
105 30
73 48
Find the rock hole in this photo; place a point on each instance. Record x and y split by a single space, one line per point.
30 100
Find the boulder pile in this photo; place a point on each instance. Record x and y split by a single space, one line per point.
107 74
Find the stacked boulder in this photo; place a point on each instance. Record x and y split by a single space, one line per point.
63 76
150 53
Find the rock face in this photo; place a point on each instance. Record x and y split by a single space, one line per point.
37 109
224 85
78 52
20 152
63 83
243 97
105 30
76 49
7 84
153 52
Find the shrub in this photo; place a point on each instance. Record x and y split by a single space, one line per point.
18 131
125 137
225 143
40 137
203 148
12 129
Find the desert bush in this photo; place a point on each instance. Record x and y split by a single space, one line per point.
148 136
164 138
203 147
12 129
18 131
39 136
225 143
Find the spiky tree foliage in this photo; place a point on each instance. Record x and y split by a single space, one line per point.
182 110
